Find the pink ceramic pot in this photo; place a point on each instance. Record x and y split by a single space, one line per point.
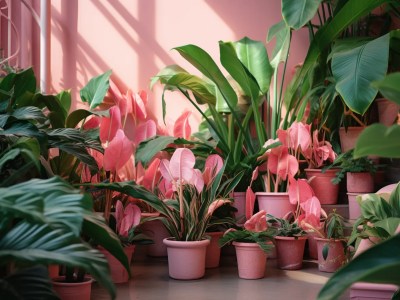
251 260
272 254
72 290
312 244
118 273
239 202
387 111
290 252
321 183
360 182
354 207
213 253
155 230
348 138
336 256
372 291
276 204
186 260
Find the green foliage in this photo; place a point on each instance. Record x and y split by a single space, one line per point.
95 90
389 87
42 222
245 236
334 226
286 227
347 163
297 13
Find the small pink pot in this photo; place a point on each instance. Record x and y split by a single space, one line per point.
213 253
321 183
360 182
186 259
372 291
348 138
290 252
251 260
72 290
312 244
387 111
276 204
336 256
354 207
118 272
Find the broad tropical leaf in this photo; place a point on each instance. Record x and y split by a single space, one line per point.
386 141
378 264
297 13
355 69
96 89
147 149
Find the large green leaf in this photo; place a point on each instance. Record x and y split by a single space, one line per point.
297 13
166 74
281 32
378 139
96 89
57 113
77 116
147 149
351 11
254 57
65 99
390 87
355 69
206 65
29 113
37 244
30 283
379 264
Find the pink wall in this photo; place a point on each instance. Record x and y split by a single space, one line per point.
134 38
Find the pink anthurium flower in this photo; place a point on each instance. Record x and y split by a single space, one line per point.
138 105
182 127
215 204
250 200
281 163
213 165
115 92
126 218
299 191
118 152
109 126
257 222
300 136
144 131
92 123
152 175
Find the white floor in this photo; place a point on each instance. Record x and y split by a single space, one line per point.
150 281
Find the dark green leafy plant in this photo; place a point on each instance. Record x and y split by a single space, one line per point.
347 163
245 236
42 222
286 227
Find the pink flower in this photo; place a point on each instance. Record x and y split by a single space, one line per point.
300 136
250 200
257 223
213 165
281 163
299 191
126 218
215 204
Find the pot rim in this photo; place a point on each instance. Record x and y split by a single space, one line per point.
171 242
330 240
59 280
244 244
291 238
271 193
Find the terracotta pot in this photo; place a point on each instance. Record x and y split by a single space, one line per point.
54 271
186 259
336 256
354 207
360 182
348 138
387 111
72 290
276 204
155 230
290 252
213 253
251 260
321 183
118 272
239 202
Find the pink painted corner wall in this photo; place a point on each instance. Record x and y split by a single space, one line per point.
134 38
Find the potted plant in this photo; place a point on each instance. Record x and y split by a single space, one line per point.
252 243
359 178
332 243
290 241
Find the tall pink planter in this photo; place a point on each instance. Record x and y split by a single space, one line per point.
155 230
213 253
290 252
251 260
186 259
360 182
336 256
72 290
321 183
348 138
118 272
276 204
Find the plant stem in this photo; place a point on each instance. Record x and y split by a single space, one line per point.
181 211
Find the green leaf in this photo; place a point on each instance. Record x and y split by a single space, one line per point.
21 128
390 225
65 99
325 251
355 69
254 57
282 34
379 264
386 141
147 149
206 65
57 113
166 74
29 113
297 13
389 87
96 89
76 116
